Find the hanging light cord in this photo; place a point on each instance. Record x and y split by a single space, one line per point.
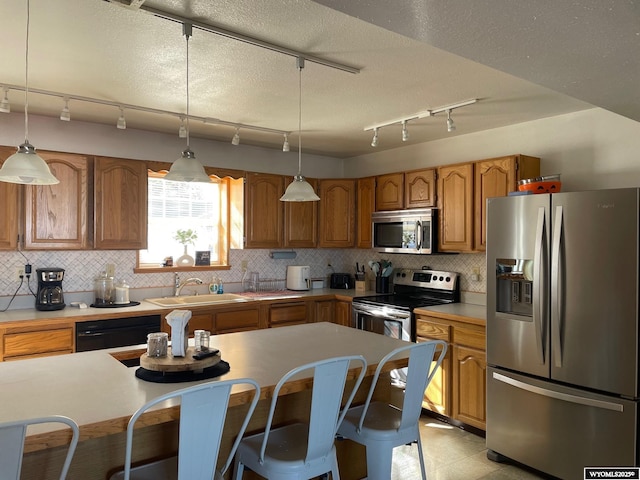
26 81
187 34
300 67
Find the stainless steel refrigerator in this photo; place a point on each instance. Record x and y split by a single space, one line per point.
562 330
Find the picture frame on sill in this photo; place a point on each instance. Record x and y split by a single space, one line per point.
203 258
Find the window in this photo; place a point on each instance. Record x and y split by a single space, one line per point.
213 211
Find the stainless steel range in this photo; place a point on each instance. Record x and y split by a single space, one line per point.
392 314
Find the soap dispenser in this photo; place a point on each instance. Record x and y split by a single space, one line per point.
213 286
220 287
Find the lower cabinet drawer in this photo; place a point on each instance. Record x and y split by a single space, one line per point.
433 330
237 320
288 314
35 343
469 338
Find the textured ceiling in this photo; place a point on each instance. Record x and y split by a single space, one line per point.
102 50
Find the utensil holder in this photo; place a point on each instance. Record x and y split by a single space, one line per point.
382 285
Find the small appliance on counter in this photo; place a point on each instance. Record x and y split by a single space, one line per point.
49 295
298 277
341 280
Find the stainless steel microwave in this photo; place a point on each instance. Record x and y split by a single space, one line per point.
405 231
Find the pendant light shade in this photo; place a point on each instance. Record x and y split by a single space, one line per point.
299 190
25 166
187 168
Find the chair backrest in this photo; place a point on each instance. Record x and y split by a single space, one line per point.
329 379
423 364
203 410
12 435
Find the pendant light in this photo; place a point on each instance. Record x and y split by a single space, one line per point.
187 168
25 166
299 190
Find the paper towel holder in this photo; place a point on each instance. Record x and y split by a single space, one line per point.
282 254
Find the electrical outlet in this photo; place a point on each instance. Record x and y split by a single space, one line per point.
244 265
475 276
19 273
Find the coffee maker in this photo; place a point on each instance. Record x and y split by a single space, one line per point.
49 296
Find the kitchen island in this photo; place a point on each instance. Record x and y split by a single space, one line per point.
101 393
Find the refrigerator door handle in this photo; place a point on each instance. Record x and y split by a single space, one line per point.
539 298
565 397
556 286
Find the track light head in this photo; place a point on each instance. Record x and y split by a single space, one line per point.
405 132
374 140
122 123
450 125
65 114
236 138
285 145
5 106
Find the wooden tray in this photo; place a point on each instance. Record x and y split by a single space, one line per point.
178 364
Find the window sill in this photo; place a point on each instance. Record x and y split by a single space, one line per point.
195 268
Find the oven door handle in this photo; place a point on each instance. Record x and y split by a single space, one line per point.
382 315
90 334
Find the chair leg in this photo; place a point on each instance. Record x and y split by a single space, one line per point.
238 470
335 473
421 458
379 460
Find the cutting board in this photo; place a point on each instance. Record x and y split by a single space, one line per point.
177 364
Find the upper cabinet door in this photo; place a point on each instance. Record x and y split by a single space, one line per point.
56 216
455 200
301 221
496 177
120 204
420 188
365 204
263 211
337 213
8 207
390 191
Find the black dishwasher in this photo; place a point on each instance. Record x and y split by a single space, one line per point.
115 332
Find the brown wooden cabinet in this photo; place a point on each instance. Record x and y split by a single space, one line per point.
325 311
455 201
37 341
463 190
496 177
365 205
458 390
343 313
289 313
420 188
390 191
8 207
56 217
301 221
337 213
237 319
263 211
120 198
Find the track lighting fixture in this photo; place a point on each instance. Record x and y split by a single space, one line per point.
122 123
285 145
236 138
450 125
187 168
5 106
427 113
299 190
405 132
374 140
182 131
65 114
26 166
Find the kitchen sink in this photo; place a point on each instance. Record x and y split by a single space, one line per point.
195 300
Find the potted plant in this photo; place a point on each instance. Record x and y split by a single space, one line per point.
186 237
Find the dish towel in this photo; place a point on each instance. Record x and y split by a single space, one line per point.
179 322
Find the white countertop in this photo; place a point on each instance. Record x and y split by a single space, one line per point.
467 310
101 393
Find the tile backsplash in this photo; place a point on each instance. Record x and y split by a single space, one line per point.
81 267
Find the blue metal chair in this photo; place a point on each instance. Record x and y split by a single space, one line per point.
203 410
302 451
12 435
381 427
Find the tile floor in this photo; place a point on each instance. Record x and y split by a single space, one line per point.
452 454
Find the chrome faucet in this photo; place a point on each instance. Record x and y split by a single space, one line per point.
178 285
